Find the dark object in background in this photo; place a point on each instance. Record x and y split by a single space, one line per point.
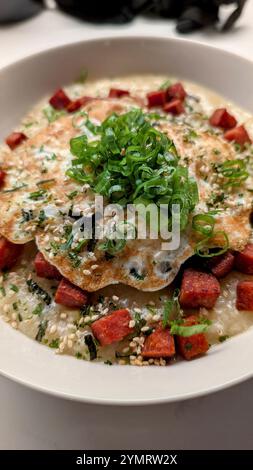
191 14
17 10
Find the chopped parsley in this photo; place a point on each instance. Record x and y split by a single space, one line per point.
41 330
54 343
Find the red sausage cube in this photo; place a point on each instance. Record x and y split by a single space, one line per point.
192 346
238 135
79 103
221 118
244 300
44 269
244 260
175 107
9 253
60 100
159 344
156 98
198 289
70 295
2 177
114 327
222 265
117 93
176 91
15 139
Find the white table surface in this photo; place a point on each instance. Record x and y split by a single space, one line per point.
31 420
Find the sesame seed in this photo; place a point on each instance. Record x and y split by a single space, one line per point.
94 266
86 272
14 316
131 324
51 255
14 324
70 343
53 329
132 358
6 308
156 317
72 336
115 298
63 316
94 317
145 328
121 362
132 344
106 310
136 339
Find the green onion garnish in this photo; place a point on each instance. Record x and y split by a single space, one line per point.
235 171
186 331
131 160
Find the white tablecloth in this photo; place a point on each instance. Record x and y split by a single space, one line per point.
30 420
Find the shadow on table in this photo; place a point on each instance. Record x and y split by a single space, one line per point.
34 420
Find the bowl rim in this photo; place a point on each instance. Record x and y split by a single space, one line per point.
111 38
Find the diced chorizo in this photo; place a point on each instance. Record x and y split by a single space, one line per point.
114 327
176 91
156 98
9 253
238 135
198 289
44 269
118 93
192 346
60 100
244 260
222 265
15 139
79 103
2 177
221 118
175 107
158 344
70 295
244 298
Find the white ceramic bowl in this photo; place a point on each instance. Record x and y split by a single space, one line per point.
24 83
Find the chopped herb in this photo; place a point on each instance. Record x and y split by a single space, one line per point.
171 307
20 318
190 136
14 288
108 363
75 259
90 343
15 306
2 290
136 275
41 218
223 338
72 195
38 194
52 114
165 85
234 172
186 331
139 322
16 188
78 355
30 124
54 343
85 310
38 310
41 330
45 182
26 215
34 288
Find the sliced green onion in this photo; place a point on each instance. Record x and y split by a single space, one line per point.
203 223
205 248
186 331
